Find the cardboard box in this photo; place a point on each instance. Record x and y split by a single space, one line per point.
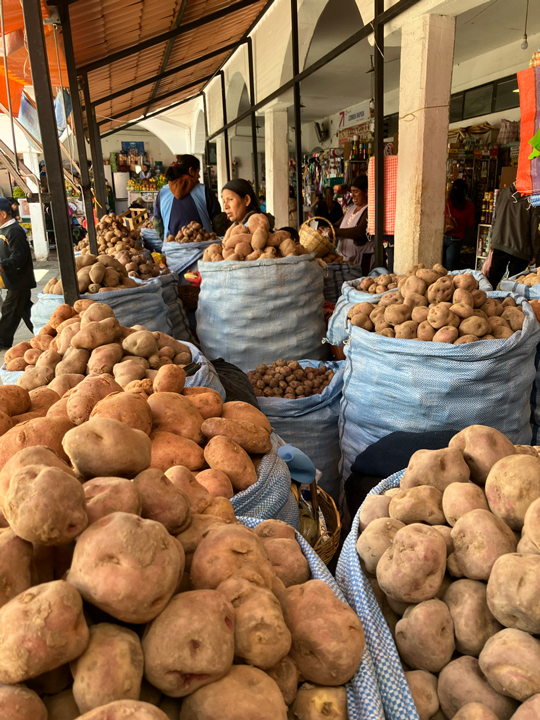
508 176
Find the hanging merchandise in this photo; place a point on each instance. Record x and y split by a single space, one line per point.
528 174
324 169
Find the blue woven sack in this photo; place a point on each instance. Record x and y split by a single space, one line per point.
392 684
143 305
339 327
392 384
152 240
177 314
363 697
335 275
206 376
184 257
9 377
259 311
271 496
312 425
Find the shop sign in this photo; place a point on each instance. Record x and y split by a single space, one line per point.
363 132
138 146
355 115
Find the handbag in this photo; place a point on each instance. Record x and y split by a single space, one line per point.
450 224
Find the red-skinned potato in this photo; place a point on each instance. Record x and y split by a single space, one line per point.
169 450
125 710
163 501
182 478
15 565
18 702
222 453
245 412
438 468
481 447
209 404
105 495
479 538
174 413
87 394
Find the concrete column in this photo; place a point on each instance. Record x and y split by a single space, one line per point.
277 164
427 56
221 164
37 219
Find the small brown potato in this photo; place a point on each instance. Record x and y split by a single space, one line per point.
222 453
393 298
42 399
221 507
105 495
17 351
425 331
133 410
45 505
104 358
474 326
35 377
61 313
512 485
182 478
96 311
422 503
75 319
238 551
216 482
127 372
15 565
479 298
475 711
412 568
464 339
427 275
481 447
462 310
510 661
419 314
141 343
111 667
244 412
125 710
415 300
64 383
245 693
425 636
466 281
460 498
441 290
480 538
40 431
163 501
173 413
41 629
288 561
269 529
407 330
397 314
375 539
438 468
374 507
250 437
192 536
439 316
17 365
95 334
495 322
502 333
126 566
513 590
31 356
423 687
492 308
446 334
169 450
514 317
413 285
6 423
59 409
17 702
170 378
191 643
85 396
463 297
103 447
315 701
285 675
362 321
327 636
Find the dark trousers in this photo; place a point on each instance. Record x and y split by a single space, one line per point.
16 307
500 262
452 251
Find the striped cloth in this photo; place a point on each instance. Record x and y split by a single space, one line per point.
390 193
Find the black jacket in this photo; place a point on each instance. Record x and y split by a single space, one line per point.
16 258
515 225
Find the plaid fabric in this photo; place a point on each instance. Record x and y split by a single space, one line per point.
509 132
390 192
528 174
335 275
363 696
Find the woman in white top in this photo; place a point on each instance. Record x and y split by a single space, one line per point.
354 244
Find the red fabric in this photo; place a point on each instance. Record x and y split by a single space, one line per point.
464 218
390 192
528 103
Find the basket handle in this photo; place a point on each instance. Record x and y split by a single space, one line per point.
316 217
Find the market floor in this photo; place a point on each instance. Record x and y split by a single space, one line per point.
43 271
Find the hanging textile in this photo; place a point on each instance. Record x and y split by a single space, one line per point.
528 175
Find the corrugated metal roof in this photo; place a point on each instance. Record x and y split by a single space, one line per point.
101 28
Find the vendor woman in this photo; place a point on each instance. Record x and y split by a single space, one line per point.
239 201
353 242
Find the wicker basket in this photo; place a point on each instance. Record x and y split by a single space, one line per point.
328 542
316 242
189 295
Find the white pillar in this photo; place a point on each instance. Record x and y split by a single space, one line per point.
221 164
277 164
37 219
427 56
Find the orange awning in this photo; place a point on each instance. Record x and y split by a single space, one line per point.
15 86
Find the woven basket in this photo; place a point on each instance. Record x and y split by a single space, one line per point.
189 295
328 542
314 241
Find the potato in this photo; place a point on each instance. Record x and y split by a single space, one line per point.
41 431
74 363
244 412
222 453
425 636
327 636
163 501
125 710
510 661
183 479
62 384
463 310
481 447
460 498
169 450
473 622
127 372
228 550
222 508
127 566
17 351
425 331
441 290
174 413
31 356
42 399
422 503
111 667
423 687
412 569
373 508
269 529
59 409
105 495
16 365
514 317
250 437
475 711
15 565
61 313
245 693
513 590
106 447
479 539
45 505
447 334
191 643
512 485
170 378
438 468
18 419
141 343
466 281
35 377
17 702
133 410
104 358
288 561
531 526
6 423
209 404
41 629
375 539
315 701
397 314
285 675
216 482
192 536
87 394
438 316
95 334
96 311
528 711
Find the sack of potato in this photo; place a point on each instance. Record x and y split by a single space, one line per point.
192 233
184 257
151 238
444 561
524 284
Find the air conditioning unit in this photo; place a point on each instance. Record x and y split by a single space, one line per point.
321 132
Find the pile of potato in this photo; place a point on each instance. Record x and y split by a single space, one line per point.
531 279
334 257
453 557
194 232
383 283
253 241
289 380
433 306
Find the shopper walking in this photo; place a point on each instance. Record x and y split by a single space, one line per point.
459 217
515 239
17 273
354 244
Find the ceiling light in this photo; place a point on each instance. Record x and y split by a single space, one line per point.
525 44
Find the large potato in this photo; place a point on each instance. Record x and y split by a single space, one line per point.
473 622
95 334
222 453
111 667
479 538
170 378
42 399
129 408
41 629
87 394
141 343
288 561
251 438
209 403
45 431
437 468
425 636
191 643
163 501
216 482
327 636
315 701
422 503
460 498
183 479
169 450
245 412
512 485
513 591
127 566
34 377
511 662
104 358
530 710
192 536
412 568
482 447
15 565
104 447
125 710
128 372
64 383
14 400
174 413
275 529
17 702
105 495
373 508
423 687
